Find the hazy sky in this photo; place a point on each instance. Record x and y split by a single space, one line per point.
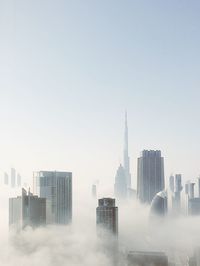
69 69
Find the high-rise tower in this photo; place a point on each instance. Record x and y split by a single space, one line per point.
13 177
107 215
126 156
122 186
56 187
150 178
176 188
6 178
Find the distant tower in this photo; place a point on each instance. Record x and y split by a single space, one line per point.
150 178
171 183
6 179
193 202
189 189
94 191
122 187
126 155
176 188
13 177
198 179
120 183
177 193
107 215
18 180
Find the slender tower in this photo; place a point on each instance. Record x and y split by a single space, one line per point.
126 157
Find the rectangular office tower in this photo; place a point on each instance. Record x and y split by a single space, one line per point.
150 179
56 187
27 210
107 215
6 179
13 177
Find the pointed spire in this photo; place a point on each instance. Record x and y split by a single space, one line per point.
126 133
126 117
126 156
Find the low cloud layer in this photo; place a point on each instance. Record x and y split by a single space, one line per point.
78 244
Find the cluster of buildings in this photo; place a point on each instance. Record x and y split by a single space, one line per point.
151 187
150 179
51 200
50 203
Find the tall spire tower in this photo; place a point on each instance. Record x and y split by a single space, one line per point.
126 156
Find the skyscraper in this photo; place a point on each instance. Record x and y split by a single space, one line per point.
13 177
171 183
176 188
120 183
27 210
150 179
189 189
198 182
107 215
56 187
94 191
126 155
6 178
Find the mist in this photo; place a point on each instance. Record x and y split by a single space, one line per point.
78 243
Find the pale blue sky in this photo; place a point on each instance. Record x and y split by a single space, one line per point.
69 69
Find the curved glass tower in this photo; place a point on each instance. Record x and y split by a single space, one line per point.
159 205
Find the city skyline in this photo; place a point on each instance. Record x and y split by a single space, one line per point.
99 139
121 160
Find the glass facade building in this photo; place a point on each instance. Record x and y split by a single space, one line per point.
150 179
13 177
159 204
56 187
27 210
